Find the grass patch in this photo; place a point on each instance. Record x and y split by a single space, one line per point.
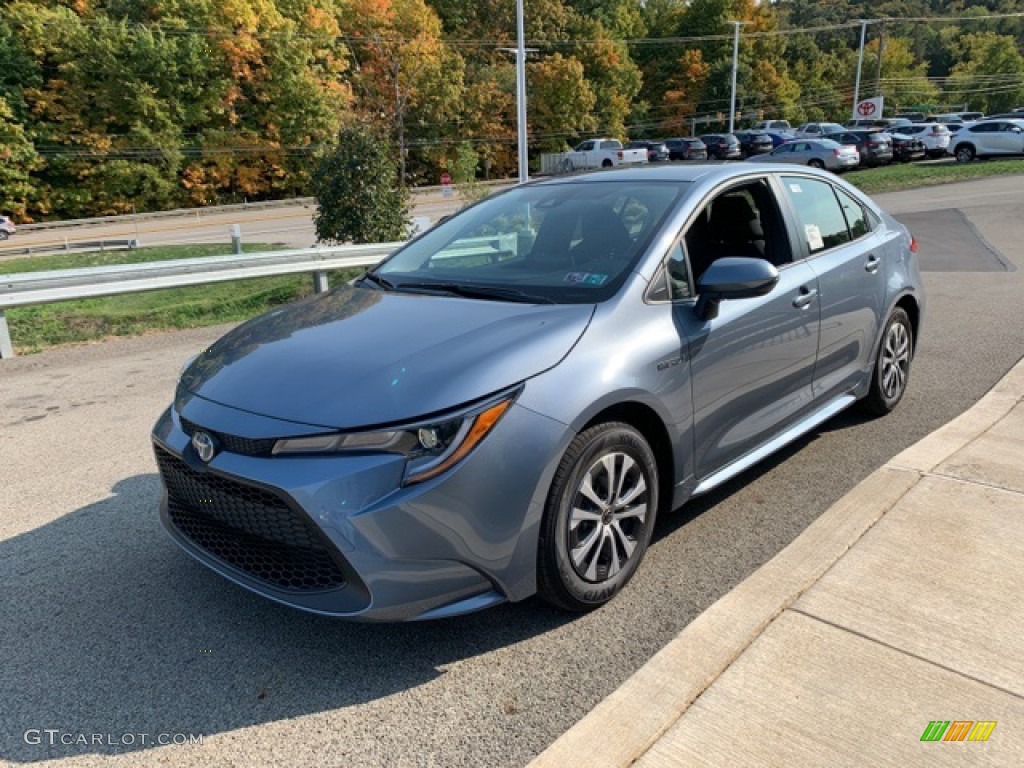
36 328
896 177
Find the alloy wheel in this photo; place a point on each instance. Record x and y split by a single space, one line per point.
895 360
607 517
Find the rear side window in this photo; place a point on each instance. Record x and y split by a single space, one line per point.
820 218
856 217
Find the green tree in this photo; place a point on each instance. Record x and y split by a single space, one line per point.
560 100
989 73
18 158
356 187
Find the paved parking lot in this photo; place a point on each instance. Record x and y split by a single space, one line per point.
110 630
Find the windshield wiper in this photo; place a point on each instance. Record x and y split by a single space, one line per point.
381 282
470 291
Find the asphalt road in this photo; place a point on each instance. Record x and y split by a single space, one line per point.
108 629
288 225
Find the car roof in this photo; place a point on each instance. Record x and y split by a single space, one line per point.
680 173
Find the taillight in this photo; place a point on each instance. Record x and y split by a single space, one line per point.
837 153
913 244
620 154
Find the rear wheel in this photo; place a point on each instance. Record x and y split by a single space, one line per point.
892 366
816 163
965 153
598 517
606 163
3 234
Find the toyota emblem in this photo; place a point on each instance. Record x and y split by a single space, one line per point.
204 446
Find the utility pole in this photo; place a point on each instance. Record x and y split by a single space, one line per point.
520 51
860 63
878 65
524 165
735 66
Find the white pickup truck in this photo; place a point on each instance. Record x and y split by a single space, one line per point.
602 153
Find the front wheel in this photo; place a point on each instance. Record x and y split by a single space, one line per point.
892 365
3 234
598 517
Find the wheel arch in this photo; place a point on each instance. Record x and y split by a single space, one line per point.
648 423
909 304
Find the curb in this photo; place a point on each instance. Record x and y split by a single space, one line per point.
624 725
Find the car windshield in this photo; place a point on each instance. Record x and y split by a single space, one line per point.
566 243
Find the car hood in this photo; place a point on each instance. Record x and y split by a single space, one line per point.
358 357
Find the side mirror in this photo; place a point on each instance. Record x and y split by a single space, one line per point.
733 277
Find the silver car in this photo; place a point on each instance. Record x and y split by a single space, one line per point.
816 153
506 404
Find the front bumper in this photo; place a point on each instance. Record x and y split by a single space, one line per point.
339 535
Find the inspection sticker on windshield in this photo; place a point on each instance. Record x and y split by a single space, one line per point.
586 278
795 188
814 237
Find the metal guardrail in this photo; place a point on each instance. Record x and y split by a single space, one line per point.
83 245
30 288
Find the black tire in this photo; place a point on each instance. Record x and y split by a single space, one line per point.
606 163
887 384
3 234
964 153
816 163
590 579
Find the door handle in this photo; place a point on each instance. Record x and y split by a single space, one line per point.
872 263
805 298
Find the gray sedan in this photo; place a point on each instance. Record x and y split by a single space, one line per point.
817 153
506 405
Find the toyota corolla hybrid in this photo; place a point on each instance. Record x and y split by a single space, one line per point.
505 405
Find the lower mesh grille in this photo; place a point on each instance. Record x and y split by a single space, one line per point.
247 527
282 566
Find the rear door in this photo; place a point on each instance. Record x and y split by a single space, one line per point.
844 245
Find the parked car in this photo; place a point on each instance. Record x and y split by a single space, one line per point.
656 150
872 122
935 136
914 117
817 153
506 404
895 123
780 126
686 148
988 138
722 146
754 142
778 137
601 153
906 148
816 130
7 228
874 147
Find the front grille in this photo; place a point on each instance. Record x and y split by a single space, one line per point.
249 528
246 446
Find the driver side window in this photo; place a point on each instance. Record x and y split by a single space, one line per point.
742 221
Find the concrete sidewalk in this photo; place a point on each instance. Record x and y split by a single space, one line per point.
903 604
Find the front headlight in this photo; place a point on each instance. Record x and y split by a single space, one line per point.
430 447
